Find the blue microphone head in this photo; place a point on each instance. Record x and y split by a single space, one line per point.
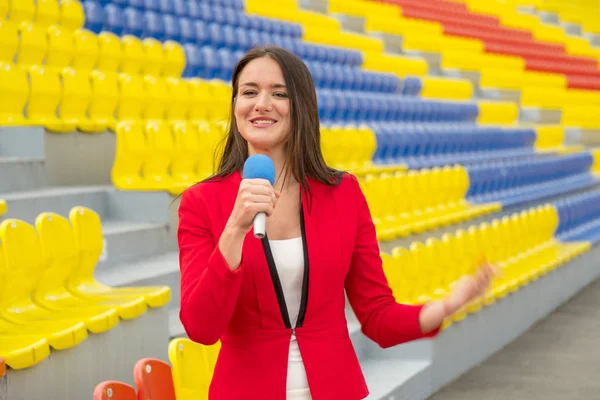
259 166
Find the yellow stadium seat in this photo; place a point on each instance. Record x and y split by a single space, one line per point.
132 97
76 96
62 264
47 13
546 97
133 55
178 99
132 150
188 148
156 168
153 57
155 88
211 135
9 41
86 50
23 352
174 59
500 113
2 207
443 88
22 11
193 365
33 45
71 14
4 9
201 96
14 91
22 267
60 47
334 37
44 96
104 102
110 53
89 240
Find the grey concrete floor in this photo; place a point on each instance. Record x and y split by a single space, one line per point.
558 358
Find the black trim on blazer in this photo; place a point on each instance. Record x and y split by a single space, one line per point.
277 283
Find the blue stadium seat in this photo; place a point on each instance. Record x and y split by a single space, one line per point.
180 8
188 30
114 20
166 7
201 32
412 86
193 61
134 22
152 5
154 26
137 4
172 27
120 3
94 16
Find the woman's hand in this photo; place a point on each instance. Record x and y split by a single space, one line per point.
468 288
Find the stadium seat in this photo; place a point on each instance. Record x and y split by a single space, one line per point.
133 55
114 390
4 9
86 50
76 96
155 169
178 96
192 365
33 45
47 12
89 240
2 368
44 96
9 41
21 268
155 89
154 57
71 14
105 97
22 11
62 265
132 97
188 147
2 207
13 94
60 48
153 379
110 52
175 61
19 351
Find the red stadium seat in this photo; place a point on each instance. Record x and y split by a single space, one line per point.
2 368
153 379
114 390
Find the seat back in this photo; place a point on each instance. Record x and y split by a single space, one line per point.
4 9
188 149
60 47
59 254
131 153
22 11
24 264
47 13
153 379
71 14
154 57
132 96
2 368
133 55
114 390
33 45
14 91
110 53
174 59
76 95
157 160
9 41
156 95
178 99
44 94
85 44
193 366
89 243
105 97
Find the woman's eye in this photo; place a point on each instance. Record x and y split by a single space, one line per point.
281 95
249 93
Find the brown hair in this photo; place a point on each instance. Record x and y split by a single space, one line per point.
303 150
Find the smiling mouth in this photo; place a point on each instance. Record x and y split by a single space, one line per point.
262 122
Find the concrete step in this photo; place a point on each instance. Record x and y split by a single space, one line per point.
22 173
130 242
397 379
106 200
16 141
27 205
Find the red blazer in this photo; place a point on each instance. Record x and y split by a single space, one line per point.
243 309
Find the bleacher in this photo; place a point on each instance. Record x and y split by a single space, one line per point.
470 125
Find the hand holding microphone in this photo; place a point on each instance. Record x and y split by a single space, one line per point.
256 196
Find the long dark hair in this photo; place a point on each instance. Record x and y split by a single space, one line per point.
303 150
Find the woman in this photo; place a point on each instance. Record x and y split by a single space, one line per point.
277 304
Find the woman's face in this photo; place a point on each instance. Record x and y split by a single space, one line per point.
262 106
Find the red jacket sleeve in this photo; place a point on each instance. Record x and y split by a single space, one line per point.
209 288
383 320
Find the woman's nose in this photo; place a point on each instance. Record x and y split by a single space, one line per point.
263 102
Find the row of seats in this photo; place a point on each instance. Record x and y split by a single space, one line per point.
49 297
352 106
177 6
577 210
57 47
69 99
167 24
188 378
343 77
67 13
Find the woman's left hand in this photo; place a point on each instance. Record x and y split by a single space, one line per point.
468 288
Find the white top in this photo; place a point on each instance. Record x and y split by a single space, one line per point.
289 260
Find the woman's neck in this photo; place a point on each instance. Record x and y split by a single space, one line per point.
282 182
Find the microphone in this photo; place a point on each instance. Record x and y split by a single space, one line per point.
259 166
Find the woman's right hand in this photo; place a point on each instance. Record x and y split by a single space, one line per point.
254 196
